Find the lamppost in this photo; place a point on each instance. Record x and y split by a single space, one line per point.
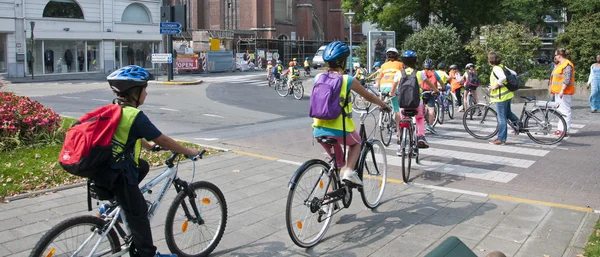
350 16
32 23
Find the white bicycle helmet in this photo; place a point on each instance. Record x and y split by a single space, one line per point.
392 49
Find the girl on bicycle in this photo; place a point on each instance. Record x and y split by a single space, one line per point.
456 83
471 84
134 131
335 56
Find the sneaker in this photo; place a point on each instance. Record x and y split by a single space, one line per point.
352 177
399 150
461 109
430 129
422 142
594 111
165 255
497 142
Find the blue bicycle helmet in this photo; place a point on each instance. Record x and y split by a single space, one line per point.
377 64
441 65
428 64
409 53
128 77
306 58
279 62
335 50
409 57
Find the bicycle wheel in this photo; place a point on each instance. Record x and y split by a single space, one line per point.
441 111
185 236
451 108
374 174
282 89
435 113
307 220
298 90
385 128
359 102
407 153
483 126
540 126
66 237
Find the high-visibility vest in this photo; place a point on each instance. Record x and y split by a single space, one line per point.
388 71
558 79
121 135
455 84
502 93
431 77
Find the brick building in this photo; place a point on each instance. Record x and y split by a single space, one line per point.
317 20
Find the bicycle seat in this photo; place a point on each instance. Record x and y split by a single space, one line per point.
529 98
327 140
410 113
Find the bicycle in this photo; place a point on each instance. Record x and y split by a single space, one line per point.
281 87
387 122
306 71
271 79
192 198
297 89
408 143
537 123
446 105
318 195
359 103
426 109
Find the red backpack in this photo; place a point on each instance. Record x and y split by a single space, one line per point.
87 147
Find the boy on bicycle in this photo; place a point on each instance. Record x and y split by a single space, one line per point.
471 84
133 133
306 65
429 80
292 73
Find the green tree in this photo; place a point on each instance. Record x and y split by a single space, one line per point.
437 42
582 39
361 52
512 41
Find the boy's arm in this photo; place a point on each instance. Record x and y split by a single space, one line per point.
172 145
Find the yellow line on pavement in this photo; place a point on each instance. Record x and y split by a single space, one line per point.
557 205
256 155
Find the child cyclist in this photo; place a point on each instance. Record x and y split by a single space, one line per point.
129 84
292 73
306 65
335 57
269 70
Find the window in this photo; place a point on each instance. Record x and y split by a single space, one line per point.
136 13
63 9
283 11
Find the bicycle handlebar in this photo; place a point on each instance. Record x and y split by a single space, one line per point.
174 155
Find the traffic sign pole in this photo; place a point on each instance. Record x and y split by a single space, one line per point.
170 46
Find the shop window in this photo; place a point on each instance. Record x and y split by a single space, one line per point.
3 53
63 9
283 11
136 13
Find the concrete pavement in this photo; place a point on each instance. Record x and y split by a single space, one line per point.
411 221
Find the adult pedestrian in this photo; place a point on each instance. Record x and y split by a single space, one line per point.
501 96
594 83
550 95
563 87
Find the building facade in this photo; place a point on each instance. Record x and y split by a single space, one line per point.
76 36
318 20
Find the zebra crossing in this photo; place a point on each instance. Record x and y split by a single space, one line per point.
454 152
256 79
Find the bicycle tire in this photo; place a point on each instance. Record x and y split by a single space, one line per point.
485 117
548 129
41 247
294 223
451 108
298 90
216 201
374 160
385 128
441 111
282 89
406 153
359 103
436 107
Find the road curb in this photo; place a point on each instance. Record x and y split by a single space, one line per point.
40 192
177 83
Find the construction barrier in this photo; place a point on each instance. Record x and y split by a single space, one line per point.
203 60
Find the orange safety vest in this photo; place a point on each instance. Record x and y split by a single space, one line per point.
431 77
558 79
454 84
388 71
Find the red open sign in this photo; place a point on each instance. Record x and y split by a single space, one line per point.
187 63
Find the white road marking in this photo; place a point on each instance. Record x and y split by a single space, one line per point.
487 146
213 115
290 162
207 139
168 109
100 100
70 97
448 189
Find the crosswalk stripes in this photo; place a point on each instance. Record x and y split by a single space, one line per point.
472 158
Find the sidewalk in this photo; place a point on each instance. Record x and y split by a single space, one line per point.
411 220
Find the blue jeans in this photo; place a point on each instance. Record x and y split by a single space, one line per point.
504 113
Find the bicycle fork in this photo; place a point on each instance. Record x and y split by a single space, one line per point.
181 185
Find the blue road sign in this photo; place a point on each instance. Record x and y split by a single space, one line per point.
170 31
170 25
170 60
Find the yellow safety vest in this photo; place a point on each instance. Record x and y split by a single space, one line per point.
558 79
502 93
122 134
337 123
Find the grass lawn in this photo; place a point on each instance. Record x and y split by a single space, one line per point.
35 168
592 247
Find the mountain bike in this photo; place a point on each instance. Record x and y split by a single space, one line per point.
194 226
539 123
408 143
446 105
387 122
316 188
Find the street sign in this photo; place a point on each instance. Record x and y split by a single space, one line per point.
170 31
162 58
170 25
276 56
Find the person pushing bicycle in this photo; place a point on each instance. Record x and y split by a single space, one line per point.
134 132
